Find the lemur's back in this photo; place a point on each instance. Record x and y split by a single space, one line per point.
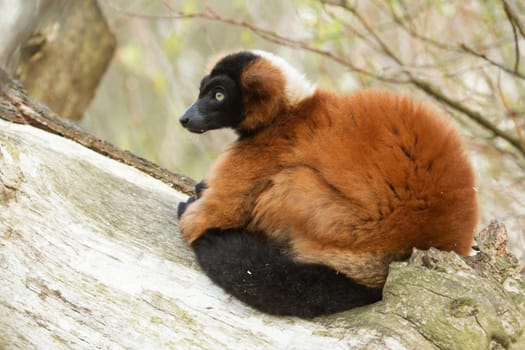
401 168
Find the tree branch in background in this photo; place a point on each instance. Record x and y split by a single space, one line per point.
39 116
419 83
268 35
513 71
514 19
473 115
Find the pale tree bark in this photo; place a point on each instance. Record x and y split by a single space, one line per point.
91 258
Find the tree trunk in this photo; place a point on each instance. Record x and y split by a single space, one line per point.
91 257
58 49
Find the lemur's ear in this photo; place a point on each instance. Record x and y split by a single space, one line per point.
263 89
253 84
262 79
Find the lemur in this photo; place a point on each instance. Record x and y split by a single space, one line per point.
304 212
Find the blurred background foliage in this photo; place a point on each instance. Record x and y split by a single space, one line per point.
464 57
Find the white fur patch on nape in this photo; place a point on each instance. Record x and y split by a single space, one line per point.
297 86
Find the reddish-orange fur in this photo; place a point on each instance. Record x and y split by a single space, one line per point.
351 181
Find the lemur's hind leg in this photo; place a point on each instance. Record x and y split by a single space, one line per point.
261 276
321 224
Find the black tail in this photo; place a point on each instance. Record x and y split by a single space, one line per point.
259 275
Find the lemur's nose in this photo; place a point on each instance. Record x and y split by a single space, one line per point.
184 119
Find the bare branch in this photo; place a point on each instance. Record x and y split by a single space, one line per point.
451 48
413 33
496 64
513 23
43 118
474 115
513 17
511 113
267 35
384 47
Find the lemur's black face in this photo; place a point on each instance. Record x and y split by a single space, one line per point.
219 105
220 102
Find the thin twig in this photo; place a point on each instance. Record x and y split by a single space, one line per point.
474 115
511 13
512 114
268 35
492 62
513 23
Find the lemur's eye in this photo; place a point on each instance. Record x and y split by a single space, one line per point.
219 96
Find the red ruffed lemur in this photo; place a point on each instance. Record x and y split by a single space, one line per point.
305 211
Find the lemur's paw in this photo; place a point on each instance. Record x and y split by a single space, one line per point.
199 188
183 206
